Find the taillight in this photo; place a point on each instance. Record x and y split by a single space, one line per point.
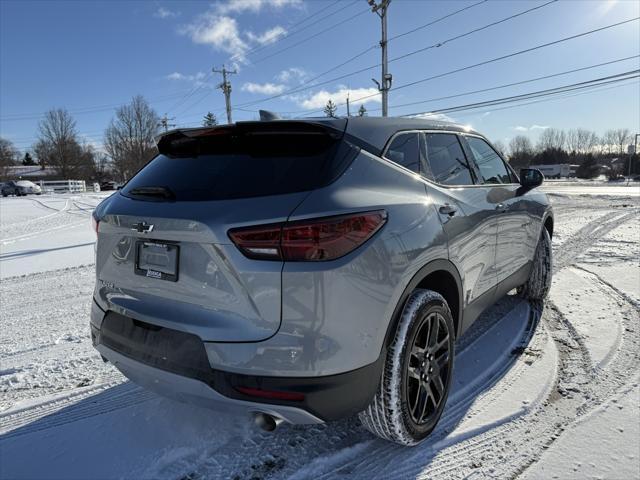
95 223
312 240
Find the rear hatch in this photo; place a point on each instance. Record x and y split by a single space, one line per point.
164 255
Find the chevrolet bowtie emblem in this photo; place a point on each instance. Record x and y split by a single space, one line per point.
142 227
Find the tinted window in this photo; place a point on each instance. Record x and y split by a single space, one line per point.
240 165
403 150
492 168
445 160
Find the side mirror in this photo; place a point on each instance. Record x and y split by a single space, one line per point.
531 178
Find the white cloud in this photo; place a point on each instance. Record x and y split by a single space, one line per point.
253 6
520 128
269 36
221 32
189 78
163 13
263 88
292 74
320 99
439 117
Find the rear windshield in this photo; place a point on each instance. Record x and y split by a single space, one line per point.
238 165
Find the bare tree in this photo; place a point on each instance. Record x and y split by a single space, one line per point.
130 137
520 151
8 156
609 140
499 146
621 137
552 138
57 143
586 140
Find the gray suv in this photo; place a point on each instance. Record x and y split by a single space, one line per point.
311 270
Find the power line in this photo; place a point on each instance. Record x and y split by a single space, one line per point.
295 32
311 37
85 110
512 84
361 53
195 89
586 91
493 60
471 32
620 77
371 67
433 22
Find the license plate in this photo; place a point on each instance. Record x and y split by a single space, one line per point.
157 260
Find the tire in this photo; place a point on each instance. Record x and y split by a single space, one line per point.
411 396
537 286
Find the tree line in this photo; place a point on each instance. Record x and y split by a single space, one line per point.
129 142
578 146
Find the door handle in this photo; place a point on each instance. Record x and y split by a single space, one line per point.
501 207
447 209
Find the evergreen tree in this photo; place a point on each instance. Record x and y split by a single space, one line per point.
330 109
362 111
209 120
28 160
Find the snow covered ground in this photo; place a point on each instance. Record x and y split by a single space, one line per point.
537 394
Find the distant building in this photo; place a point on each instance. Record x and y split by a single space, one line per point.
30 172
558 170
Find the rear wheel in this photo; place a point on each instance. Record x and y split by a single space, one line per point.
417 374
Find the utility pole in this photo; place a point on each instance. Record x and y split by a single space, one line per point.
635 154
164 123
348 111
226 88
384 85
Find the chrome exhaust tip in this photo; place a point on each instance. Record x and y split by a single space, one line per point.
267 422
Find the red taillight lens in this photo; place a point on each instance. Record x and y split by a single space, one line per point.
273 394
311 240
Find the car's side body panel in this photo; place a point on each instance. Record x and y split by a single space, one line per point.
335 314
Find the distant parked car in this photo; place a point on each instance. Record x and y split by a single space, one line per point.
21 187
111 185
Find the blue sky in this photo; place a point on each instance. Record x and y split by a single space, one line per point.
91 56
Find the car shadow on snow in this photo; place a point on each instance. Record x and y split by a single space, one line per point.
127 432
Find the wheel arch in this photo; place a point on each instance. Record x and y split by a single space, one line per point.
440 276
548 224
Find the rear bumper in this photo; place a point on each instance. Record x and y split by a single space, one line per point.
174 364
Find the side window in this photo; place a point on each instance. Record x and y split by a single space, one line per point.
445 160
403 150
491 166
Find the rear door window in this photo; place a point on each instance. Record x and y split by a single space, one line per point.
231 164
445 162
404 150
492 168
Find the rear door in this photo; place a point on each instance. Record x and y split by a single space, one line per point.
468 217
164 255
514 245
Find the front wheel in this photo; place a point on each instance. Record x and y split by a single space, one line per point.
417 373
537 286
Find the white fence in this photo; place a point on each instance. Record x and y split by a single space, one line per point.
63 186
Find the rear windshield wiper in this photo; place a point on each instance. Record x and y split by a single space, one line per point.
163 193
